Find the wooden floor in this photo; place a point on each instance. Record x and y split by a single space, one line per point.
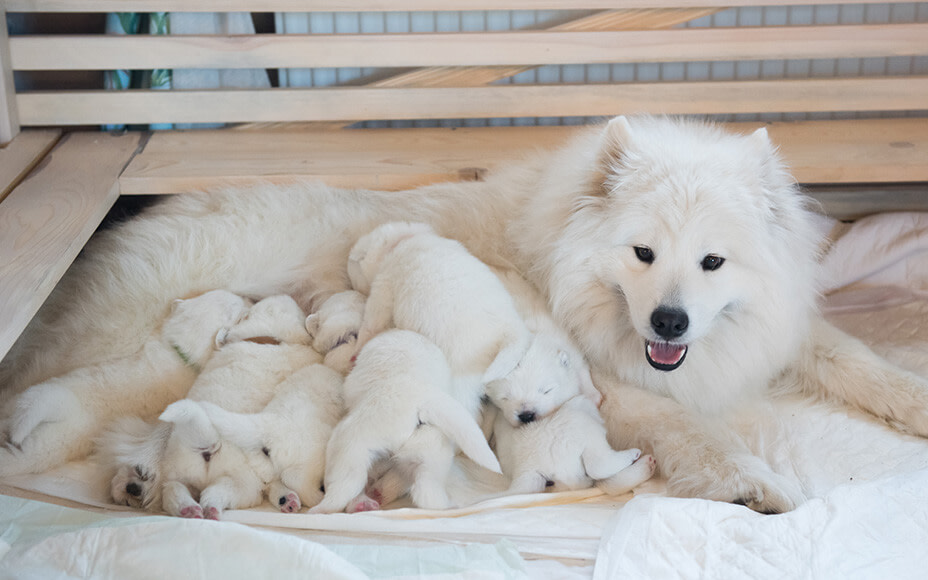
56 190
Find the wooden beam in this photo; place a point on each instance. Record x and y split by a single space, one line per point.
333 104
845 151
525 48
48 218
9 115
22 154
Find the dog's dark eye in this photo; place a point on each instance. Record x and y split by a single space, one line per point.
712 262
644 254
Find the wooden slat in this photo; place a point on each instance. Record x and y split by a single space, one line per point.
853 151
332 104
19 156
9 115
107 52
853 202
47 220
378 5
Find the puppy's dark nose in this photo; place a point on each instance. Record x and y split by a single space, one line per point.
527 416
134 489
669 322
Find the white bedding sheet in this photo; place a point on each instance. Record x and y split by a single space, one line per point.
868 516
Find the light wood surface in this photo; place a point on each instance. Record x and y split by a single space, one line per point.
377 5
48 218
19 156
528 47
334 104
9 116
869 151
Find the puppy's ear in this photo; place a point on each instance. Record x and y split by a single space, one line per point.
178 411
221 337
563 358
312 325
506 360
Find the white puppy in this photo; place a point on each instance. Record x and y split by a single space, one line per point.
75 406
399 405
334 327
416 280
156 464
286 441
567 450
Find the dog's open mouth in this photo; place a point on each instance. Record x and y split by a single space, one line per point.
664 356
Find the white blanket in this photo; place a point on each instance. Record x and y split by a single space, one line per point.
867 519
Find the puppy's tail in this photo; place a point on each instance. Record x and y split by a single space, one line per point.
242 429
452 419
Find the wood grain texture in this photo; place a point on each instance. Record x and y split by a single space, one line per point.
870 151
23 153
49 217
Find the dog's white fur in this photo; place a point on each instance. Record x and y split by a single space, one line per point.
74 407
334 327
286 441
399 406
569 220
567 450
161 459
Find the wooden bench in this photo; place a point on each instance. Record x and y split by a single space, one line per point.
57 184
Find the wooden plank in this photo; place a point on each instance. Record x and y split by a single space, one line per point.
528 47
878 150
379 5
334 104
46 221
22 154
854 202
9 115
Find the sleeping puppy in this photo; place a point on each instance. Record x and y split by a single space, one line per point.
400 407
418 281
75 406
567 450
150 460
285 443
334 328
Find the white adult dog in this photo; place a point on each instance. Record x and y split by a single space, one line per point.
400 407
623 229
74 407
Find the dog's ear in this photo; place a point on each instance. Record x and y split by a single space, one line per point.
221 337
507 359
563 358
312 325
614 144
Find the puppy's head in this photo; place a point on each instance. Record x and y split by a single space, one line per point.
545 377
193 324
132 450
277 318
367 253
336 322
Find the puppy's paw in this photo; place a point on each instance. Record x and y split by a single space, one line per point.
194 512
632 476
289 503
212 513
362 503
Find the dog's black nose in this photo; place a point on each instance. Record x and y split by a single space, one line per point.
527 416
134 489
669 322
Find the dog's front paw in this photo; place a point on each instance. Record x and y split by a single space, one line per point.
363 503
289 503
194 512
212 513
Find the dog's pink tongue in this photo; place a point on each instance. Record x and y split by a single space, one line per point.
666 353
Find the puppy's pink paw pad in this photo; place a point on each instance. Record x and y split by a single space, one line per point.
211 513
652 463
194 512
364 505
289 503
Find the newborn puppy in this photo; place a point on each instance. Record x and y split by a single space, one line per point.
73 407
399 403
567 450
286 442
334 328
156 467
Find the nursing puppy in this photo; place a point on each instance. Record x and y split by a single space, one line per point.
286 441
606 227
334 328
567 450
156 464
39 426
400 407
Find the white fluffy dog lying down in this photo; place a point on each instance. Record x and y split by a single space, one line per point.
400 406
286 441
76 406
567 450
157 465
334 327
